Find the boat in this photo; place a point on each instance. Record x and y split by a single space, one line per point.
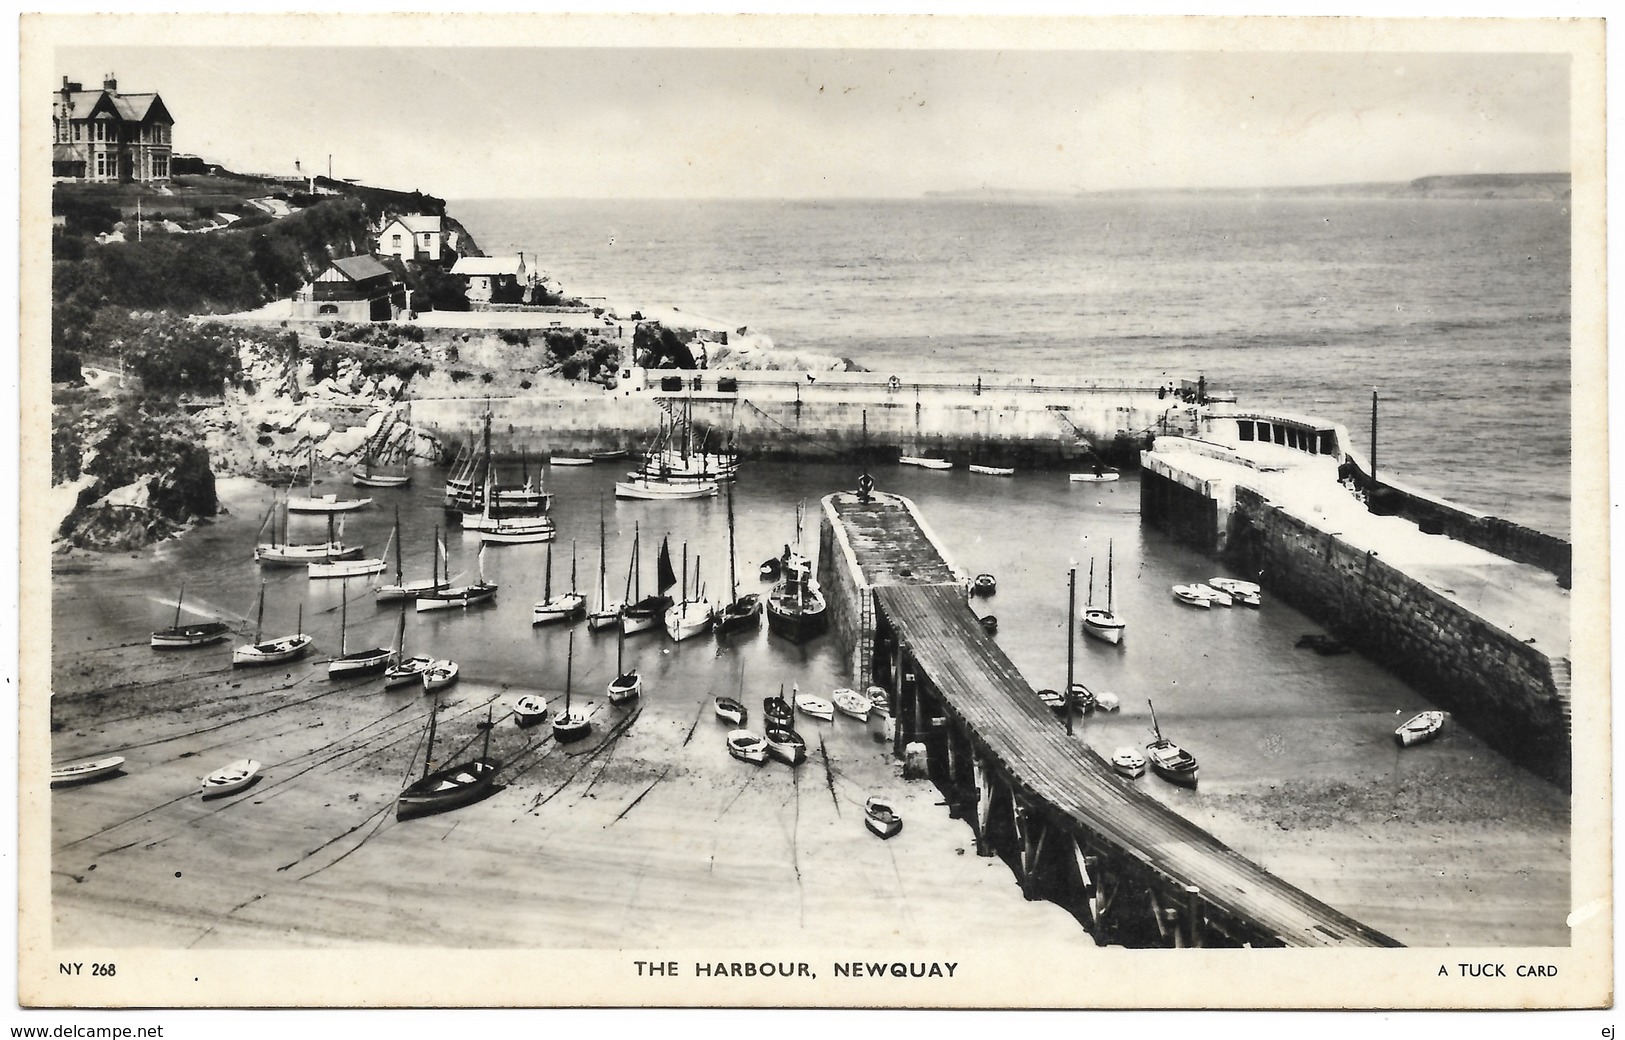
1083 698
795 606
1420 728
1323 645
1098 473
452 786
1128 761
567 606
925 463
877 697
607 613
514 530
1213 595
85 771
1055 700
747 746
729 710
627 684
817 707
880 818
984 585
184 637
740 612
271 651
569 726
853 703
643 613
676 458
314 503
410 590
439 675
1191 596
689 617
355 662
1168 760
464 494
447 596
786 745
403 669
989 623
993 471
654 490
368 473
770 569
1245 592
609 455
529 710
231 778
777 710
352 566
568 460
1107 701
1102 622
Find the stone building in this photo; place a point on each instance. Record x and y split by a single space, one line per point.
103 135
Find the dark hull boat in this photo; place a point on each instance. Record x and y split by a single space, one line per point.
742 614
796 612
450 787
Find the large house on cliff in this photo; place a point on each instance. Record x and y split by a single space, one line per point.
415 236
103 135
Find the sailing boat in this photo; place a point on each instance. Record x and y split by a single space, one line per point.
355 662
795 606
1103 624
607 613
670 472
314 503
451 787
463 496
447 596
403 669
508 525
569 725
626 685
739 612
1168 760
183 637
279 552
271 651
346 568
645 612
689 617
566 606
403 589
369 474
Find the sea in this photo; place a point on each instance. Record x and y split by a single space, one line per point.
1455 313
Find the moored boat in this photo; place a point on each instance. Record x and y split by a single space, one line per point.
439 675
880 818
984 585
1103 623
729 710
529 710
450 787
817 707
567 606
609 455
314 503
655 490
1191 596
184 637
569 460
1213 595
346 568
231 778
747 746
1128 761
271 651
786 745
853 703
1422 727
795 606
777 710
355 662
993 471
989 623
1055 700
1245 592
568 725
85 771
1168 760
925 463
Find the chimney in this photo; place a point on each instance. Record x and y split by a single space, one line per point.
110 84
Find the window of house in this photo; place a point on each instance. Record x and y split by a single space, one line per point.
78 131
395 240
101 164
328 308
160 166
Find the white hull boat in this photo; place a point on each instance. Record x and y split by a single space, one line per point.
608 617
407 670
282 555
1420 728
993 471
325 504
689 619
1213 595
346 569
378 479
1245 592
882 821
271 651
569 460
1128 762
853 703
625 687
747 746
568 607
729 710
408 590
925 463
463 596
1104 626
83 772
1191 596
230 779
817 707
655 491
1103 477
439 675
529 710
786 745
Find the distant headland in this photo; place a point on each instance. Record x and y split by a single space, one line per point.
1548 186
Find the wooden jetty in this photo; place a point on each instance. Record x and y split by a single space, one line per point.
1135 871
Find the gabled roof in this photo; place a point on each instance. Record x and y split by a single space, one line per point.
419 223
140 108
132 108
360 268
488 265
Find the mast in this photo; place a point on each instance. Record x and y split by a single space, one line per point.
400 635
683 598
1071 635
603 561
436 564
572 566
620 649
178 600
344 616
301 621
398 553
733 581
1089 603
428 752
259 617
569 665
1154 727
313 469
485 748
1108 576
547 587
634 585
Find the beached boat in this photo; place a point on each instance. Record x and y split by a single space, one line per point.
355 662
271 651
1213 595
817 707
740 612
567 606
691 615
853 703
569 460
925 463
777 710
1128 761
607 613
880 818
1103 623
1246 593
747 746
1419 728
439 675
993 471
450 787
1191 596
85 771
984 585
230 779
568 725
449 596
1168 760
627 684
529 710
645 612
729 710
1055 700
1107 701
786 745
314 503
795 606
184 637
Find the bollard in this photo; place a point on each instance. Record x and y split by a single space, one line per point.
914 761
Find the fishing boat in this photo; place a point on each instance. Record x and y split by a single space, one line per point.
1102 622
447 596
410 590
1168 760
314 503
747 746
1213 595
740 612
568 460
569 726
691 615
355 662
1245 592
271 651
649 489
607 613
627 684
85 771
777 710
880 818
1191 596
643 613
450 787
403 669
853 703
984 585
1128 761
279 552
350 566
529 710
368 472
678 457
567 606
786 745
439 675
231 778
513 530
925 463
1098 473
1420 728
729 710
466 494
795 606
184 637
993 471
817 707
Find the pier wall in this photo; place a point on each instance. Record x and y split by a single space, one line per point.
847 596
1503 689
1184 507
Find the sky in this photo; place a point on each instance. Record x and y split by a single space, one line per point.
609 122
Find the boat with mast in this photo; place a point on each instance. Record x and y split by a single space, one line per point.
271 651
355 662
1168 760
1102 623
403 669
279 552
627 684
795 606
645 612
607 613
740 612
449 596
185 637
568 725
466 493
452 786
354 568
691 615
368 472
314 503
567 606
403 589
